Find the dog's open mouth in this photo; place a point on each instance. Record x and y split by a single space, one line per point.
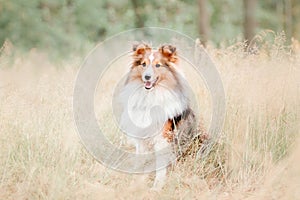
150 84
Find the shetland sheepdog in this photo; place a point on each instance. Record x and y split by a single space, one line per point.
156 104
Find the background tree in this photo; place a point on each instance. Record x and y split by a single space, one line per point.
288 18
203 21
139 12
249 19
296 18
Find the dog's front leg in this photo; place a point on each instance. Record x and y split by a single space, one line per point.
163 155
139 146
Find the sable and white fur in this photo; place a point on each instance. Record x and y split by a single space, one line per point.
156 102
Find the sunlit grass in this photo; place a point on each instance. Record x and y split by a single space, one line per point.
255 157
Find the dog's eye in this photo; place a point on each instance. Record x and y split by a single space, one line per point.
144 64
157 65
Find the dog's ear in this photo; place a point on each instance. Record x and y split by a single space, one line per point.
169 51
140 48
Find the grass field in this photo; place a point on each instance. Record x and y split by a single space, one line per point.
256 157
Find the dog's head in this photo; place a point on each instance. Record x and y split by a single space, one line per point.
154 67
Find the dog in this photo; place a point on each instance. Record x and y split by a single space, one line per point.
156 105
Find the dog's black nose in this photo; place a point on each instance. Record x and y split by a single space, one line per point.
147 77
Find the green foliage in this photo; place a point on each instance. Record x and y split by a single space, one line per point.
61 26
226 20
69 26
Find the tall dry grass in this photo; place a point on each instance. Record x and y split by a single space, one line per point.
256 157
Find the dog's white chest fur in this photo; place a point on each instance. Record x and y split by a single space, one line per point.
143 108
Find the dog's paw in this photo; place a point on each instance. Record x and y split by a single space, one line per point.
157 185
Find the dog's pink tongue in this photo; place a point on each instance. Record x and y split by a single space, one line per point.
148 84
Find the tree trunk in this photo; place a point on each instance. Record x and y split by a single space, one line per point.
249 19
296 19
288 18
203 21
140 16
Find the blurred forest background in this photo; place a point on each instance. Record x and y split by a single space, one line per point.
65 26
